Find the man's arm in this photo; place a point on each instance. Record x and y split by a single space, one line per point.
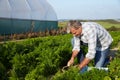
74 54
71 61
75 50
84 63
92 41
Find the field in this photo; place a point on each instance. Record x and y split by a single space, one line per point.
105 23
42 58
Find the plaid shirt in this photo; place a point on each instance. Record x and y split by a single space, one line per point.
95 36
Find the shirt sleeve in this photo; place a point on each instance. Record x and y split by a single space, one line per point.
76 44
92 39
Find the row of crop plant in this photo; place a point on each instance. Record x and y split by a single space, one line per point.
42 58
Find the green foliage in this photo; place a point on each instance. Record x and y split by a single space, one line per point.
71 74
38 56
74 74
107 78
35 74
43 58
2 71
116 38
114 68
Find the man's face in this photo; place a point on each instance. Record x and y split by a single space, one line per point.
76 32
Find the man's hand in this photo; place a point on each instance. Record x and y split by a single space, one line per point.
70 62
84 63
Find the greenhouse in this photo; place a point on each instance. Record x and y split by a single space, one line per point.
21 16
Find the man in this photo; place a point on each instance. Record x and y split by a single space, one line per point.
97 39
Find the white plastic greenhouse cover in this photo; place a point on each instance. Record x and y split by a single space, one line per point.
27 9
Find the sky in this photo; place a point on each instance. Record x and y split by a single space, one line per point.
86 9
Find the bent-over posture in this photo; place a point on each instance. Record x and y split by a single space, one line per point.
97 39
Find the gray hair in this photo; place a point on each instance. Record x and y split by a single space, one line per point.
73 24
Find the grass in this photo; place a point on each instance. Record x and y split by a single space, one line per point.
104 23
62 24
108 24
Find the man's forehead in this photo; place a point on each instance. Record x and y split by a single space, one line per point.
74 28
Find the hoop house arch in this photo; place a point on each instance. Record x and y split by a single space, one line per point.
20 16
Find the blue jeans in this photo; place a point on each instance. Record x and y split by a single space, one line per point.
101 59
